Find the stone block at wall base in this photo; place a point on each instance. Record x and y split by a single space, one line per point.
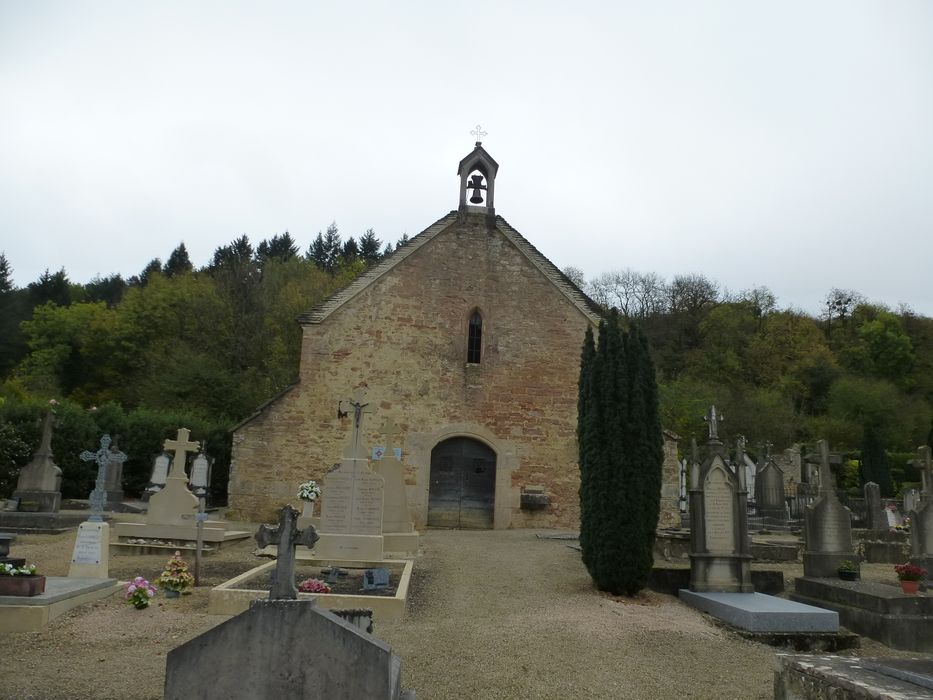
819 677
886 552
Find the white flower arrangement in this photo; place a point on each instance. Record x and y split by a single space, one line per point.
10 570
309 491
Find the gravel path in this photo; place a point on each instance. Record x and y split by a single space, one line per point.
491 615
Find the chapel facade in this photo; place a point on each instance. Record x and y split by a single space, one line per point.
468 340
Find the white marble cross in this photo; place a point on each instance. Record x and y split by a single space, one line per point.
181 446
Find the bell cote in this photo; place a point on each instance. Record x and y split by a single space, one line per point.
478 180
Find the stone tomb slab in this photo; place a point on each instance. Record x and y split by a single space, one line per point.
847 677
757 612
27 614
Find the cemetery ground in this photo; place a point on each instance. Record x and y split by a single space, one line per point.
491 614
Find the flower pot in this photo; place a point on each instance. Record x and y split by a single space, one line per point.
141 605
848 575
22 585
910 587
169 593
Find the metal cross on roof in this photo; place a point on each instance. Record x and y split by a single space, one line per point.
478 133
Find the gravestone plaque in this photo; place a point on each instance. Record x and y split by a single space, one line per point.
720 513
352 502
87 547
374 579
160 472
90 557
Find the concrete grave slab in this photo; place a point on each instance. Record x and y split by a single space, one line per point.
757 612
22 614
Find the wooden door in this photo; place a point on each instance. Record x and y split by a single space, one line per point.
463 485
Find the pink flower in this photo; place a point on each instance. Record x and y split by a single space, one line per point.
150 592
131 588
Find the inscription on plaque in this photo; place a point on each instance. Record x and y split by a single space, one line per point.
353 500
87 546
834 533
719 506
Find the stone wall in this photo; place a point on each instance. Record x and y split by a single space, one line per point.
404 337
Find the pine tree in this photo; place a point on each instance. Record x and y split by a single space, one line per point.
280 247
332 247
350 251
369 247
178 262
6 274
317 252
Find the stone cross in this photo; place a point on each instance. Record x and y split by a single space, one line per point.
818 458
286 535
740 461
181 446
479 133
826 474
355 449
713 421
103 457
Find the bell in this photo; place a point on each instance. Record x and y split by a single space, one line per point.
476 183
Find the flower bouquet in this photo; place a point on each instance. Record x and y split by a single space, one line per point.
313 585
176 578
20 580
139 592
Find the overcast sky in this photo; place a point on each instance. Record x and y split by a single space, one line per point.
786 144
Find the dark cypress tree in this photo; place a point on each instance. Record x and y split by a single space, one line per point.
584 398
620 457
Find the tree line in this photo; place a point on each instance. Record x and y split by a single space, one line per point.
172 345
859 374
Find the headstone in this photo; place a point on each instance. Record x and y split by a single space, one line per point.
286 536
877 515
284 650
175 504
200 474
770 485
720 549
751 472
827 526
893 515
159 473
91 555
911 500
395 514
40 481
921 518
352 504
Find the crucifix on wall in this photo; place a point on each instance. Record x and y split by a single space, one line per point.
360 408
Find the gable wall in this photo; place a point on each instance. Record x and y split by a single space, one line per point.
405 338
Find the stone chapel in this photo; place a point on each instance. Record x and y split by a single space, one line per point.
466 338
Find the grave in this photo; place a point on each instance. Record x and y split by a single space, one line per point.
28 614
159 475
827 526
352 503
877 610
720 551
720 556
865 678
398 530
109 460
285 647
172 514
911 500
921 518
90 557
769 485
39 482
35 506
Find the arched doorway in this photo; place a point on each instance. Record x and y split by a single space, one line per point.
462 493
